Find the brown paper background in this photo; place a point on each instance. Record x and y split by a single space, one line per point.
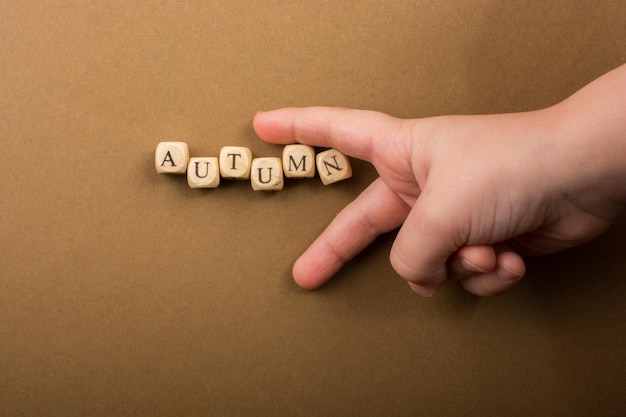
124 292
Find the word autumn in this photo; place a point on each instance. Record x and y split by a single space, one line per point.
236 162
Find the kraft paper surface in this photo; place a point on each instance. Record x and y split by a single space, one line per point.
126 292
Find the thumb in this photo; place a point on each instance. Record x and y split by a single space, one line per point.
428 237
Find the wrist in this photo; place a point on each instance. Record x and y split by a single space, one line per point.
592 125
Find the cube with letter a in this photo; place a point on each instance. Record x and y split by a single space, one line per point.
171 157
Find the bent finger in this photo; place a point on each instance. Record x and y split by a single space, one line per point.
508 271
428 237
376 211
471 260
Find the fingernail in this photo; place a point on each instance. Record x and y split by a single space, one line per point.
423 291
471 267
506 275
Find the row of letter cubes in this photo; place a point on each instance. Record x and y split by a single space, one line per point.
236 162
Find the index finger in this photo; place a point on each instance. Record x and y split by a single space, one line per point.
357 133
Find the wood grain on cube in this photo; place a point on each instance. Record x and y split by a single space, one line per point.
171 158
266 174
203 172
333 166
235 162
299 161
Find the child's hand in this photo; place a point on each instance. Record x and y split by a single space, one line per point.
473 194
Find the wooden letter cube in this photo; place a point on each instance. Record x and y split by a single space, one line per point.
267 174
171 157
203 173
299 161
333 166
235 162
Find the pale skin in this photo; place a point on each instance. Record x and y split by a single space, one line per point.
472 195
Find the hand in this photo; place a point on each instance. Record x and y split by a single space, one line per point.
472 194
